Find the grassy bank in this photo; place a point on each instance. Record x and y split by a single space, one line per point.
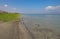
9 16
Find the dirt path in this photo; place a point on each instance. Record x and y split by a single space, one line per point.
5 28
19 32
13 30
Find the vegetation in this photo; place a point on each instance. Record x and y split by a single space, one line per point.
8 16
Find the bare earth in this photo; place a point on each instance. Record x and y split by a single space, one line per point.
13 30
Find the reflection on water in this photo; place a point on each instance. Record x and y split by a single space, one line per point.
43 26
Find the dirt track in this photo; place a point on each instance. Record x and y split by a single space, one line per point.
13 30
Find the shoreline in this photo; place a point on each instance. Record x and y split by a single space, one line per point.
37 31
13 30
19 30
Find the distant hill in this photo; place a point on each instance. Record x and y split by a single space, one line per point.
2 12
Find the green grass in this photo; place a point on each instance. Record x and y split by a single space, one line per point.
9 17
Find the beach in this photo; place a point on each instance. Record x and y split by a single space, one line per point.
29 19
13 30
20 29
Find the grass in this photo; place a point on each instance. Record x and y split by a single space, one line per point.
9 16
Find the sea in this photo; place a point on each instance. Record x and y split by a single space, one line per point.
51 21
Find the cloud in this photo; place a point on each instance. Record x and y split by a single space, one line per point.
52 9
5 5
14 8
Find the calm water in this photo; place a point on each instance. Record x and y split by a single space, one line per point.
45 21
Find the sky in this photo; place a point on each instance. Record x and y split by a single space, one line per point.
31 6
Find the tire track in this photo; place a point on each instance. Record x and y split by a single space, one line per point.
16 25
14 31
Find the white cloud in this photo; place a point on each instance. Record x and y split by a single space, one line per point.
5 5
52 8
14 8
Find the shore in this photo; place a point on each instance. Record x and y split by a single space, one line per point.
13 30
11 27
19 30
37 32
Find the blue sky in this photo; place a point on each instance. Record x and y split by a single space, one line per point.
31 6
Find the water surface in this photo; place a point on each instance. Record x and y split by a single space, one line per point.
44 20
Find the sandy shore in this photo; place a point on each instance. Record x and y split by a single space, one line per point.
18 30
13 30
